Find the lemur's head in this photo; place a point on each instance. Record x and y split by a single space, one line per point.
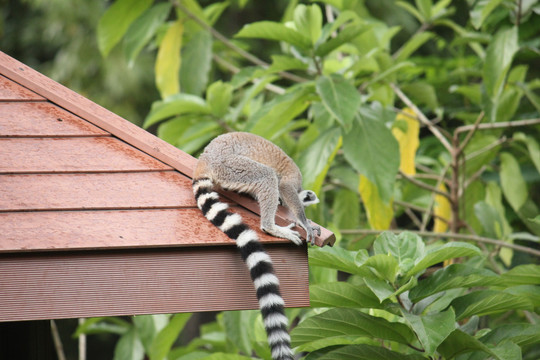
308 197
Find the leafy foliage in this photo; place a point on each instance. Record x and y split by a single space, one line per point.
432 123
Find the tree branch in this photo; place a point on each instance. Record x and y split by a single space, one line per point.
470 134
475 238
424 185
423 119
499 125
57 341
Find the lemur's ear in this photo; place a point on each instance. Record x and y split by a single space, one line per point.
308 197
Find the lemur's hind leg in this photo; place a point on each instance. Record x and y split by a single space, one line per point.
264 186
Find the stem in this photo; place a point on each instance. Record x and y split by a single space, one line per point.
423 185
430 234
57 341
417 208
82 343
250 57
499 125
470 133
423 119
455 185
485 149
413 217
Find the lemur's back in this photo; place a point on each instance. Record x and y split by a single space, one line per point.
227 147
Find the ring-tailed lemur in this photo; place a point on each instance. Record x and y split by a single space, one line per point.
250 164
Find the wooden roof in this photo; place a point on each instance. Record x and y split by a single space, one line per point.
74 176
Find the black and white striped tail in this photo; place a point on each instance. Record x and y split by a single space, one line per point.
257 260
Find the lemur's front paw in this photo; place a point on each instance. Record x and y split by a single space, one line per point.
310 235
284 232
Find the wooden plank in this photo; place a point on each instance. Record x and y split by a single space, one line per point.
165 189
97 115
115 229
96 154
42 119
11 91
90 284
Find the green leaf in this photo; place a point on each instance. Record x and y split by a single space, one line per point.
276 114
213 11
342 294
412 45
129 347
316 159
366 352
520 334
340 98
432 329
452 277
459 342
167 336
405 247
337 258
308 20
528 274
512 182
412 10
148 326
480 157
489 218
484 302
481 11
494 199
196 63
219 96
499 55
348 322
447 251
346 209
143 29
362 149
270 30
198 135
176 105
532 147
384 266
344 36
424 6
382 289
115 22
284 63
238 328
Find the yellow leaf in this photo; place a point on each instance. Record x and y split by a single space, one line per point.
442 210
408 140
168 61
379 214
